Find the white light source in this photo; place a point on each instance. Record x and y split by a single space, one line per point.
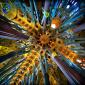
23 31
53 26
75 3
79 61
76 9
68 6
12 22
84 65
72 2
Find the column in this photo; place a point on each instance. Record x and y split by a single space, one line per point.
6 31
73 76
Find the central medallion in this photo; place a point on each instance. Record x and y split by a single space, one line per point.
44 39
